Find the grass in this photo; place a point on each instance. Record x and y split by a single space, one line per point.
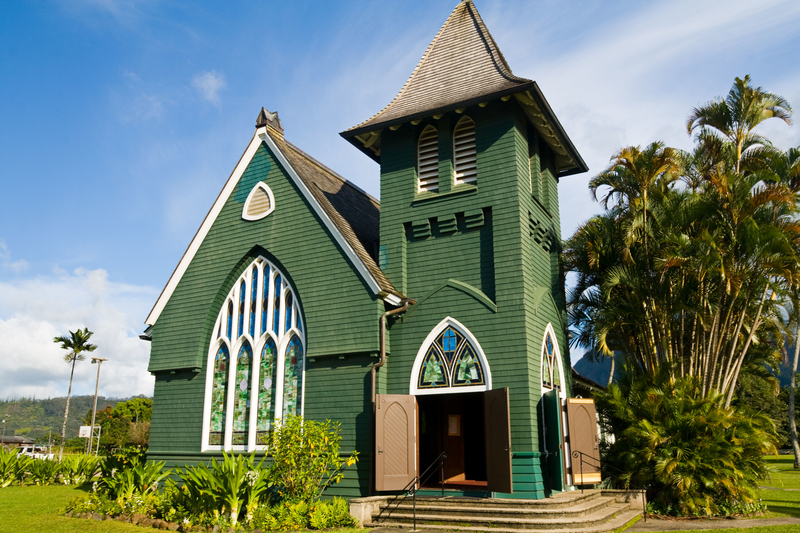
783 496
757 529
33 508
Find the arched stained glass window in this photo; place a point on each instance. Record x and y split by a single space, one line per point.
293 378
551 377
253 301
268 376
288 318
219 395
241 398
450 360
266 379
265 299
277 305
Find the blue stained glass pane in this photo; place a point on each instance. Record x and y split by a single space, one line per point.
230 319
219 395
253 302
293 378
549 345
299 321
268 374
264 299
288 318
242 291
241 401
276 320
449 340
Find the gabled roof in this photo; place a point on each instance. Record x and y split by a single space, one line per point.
350 214
462 67
462 63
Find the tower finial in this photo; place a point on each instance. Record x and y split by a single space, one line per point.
269 120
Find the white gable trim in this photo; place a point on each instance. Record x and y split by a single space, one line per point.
260 136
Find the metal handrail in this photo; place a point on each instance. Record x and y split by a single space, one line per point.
413 487
579 454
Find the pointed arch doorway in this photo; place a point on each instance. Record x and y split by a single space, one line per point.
457 412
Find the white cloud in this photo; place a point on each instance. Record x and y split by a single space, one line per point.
17 266
209 84
35 310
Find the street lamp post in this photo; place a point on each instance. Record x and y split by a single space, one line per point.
98 361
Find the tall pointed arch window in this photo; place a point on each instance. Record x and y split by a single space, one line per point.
465 161
450 358
256 365
428 160
551 375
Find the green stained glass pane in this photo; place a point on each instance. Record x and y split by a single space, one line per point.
468 369
432 374
268 370
219 394
241 401
293 378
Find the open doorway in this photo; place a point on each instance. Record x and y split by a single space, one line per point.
454 424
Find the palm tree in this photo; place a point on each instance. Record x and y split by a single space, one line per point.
738 114
77 343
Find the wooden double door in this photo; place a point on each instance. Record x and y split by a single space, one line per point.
472 429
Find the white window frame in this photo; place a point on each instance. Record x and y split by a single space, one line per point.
440 327
557 356
263 186
281 338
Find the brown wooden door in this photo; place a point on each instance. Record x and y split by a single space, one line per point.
584 441
497 418
395 441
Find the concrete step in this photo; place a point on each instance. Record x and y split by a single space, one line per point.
561 500
480 510
516 521
621 521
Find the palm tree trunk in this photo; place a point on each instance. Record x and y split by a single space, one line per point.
613 360
66 411
792 421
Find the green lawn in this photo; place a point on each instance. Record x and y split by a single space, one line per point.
32 508
783 496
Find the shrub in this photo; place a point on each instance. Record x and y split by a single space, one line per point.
333 513
13 467
44 471
305 457
135 479
237 486
286 515
78 469
691 453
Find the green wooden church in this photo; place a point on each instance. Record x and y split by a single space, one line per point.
433 322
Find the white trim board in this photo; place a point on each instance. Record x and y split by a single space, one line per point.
259 137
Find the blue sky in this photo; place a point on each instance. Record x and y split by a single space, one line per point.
120 120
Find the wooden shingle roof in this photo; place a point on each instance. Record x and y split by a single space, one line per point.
462 63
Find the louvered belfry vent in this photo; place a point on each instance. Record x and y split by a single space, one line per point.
428 160
466 169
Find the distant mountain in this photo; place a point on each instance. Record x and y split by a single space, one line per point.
597 371
37 418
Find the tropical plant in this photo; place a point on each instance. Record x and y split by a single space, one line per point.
76 344
13 466
735 117
305 457
696 276
691 452
237 486
78 469
137 478
44 471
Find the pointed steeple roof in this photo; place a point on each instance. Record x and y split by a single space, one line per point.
462 63
461 67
